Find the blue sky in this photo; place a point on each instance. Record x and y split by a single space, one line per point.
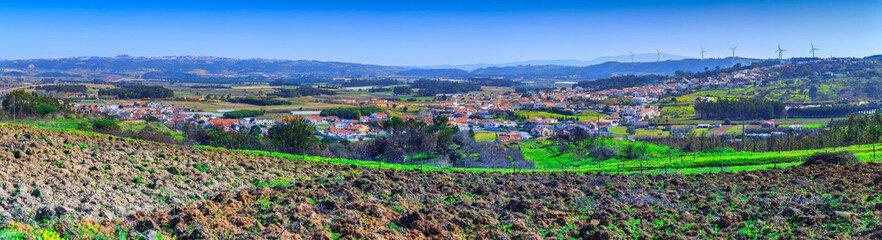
436 32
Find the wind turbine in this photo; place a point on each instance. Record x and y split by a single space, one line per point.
702 52
632 57
733 51
658 55
780 52
813 49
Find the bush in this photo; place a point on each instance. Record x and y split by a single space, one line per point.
602 153
104 124
44 109
837 158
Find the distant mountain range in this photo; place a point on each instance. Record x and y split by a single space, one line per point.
603 70
642 57
204 69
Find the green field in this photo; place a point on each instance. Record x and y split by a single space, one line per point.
623 132
679 112
734 130
659 157
792 90
485 137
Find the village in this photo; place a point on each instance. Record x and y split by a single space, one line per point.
469 111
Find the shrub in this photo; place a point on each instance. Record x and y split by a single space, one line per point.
838 158
602 153
104 124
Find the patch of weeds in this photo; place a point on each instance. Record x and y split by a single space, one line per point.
201 166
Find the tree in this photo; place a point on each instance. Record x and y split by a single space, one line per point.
150 118
295 136
20 102
44 109
631 130
403 90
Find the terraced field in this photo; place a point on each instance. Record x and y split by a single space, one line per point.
79 186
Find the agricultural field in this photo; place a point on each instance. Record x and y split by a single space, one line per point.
120 188
797 90
679 112
551 156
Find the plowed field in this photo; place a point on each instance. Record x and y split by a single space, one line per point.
82 185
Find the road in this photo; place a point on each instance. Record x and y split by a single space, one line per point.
6 90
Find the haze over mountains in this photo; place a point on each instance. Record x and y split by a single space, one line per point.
641 57
192 67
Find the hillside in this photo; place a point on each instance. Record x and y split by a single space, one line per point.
212 65
609 69
141 188
220 70
642 57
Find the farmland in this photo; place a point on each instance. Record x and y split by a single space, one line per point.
186 192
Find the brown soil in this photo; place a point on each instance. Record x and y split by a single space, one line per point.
720 130
327 201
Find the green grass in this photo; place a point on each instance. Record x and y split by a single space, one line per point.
734 130
550 158
679 112
819 125
623 132
485 137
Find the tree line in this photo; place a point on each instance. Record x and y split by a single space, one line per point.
433 87
23 103
854 130
830 111
751 108
259 101
303 91
63 88
350 113
138 92
243 114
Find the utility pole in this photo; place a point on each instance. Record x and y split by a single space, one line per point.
743 135
13 109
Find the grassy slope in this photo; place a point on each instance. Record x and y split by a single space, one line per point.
550 160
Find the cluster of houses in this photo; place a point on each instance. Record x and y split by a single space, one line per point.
472 111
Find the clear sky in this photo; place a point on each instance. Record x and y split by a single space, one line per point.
436 32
